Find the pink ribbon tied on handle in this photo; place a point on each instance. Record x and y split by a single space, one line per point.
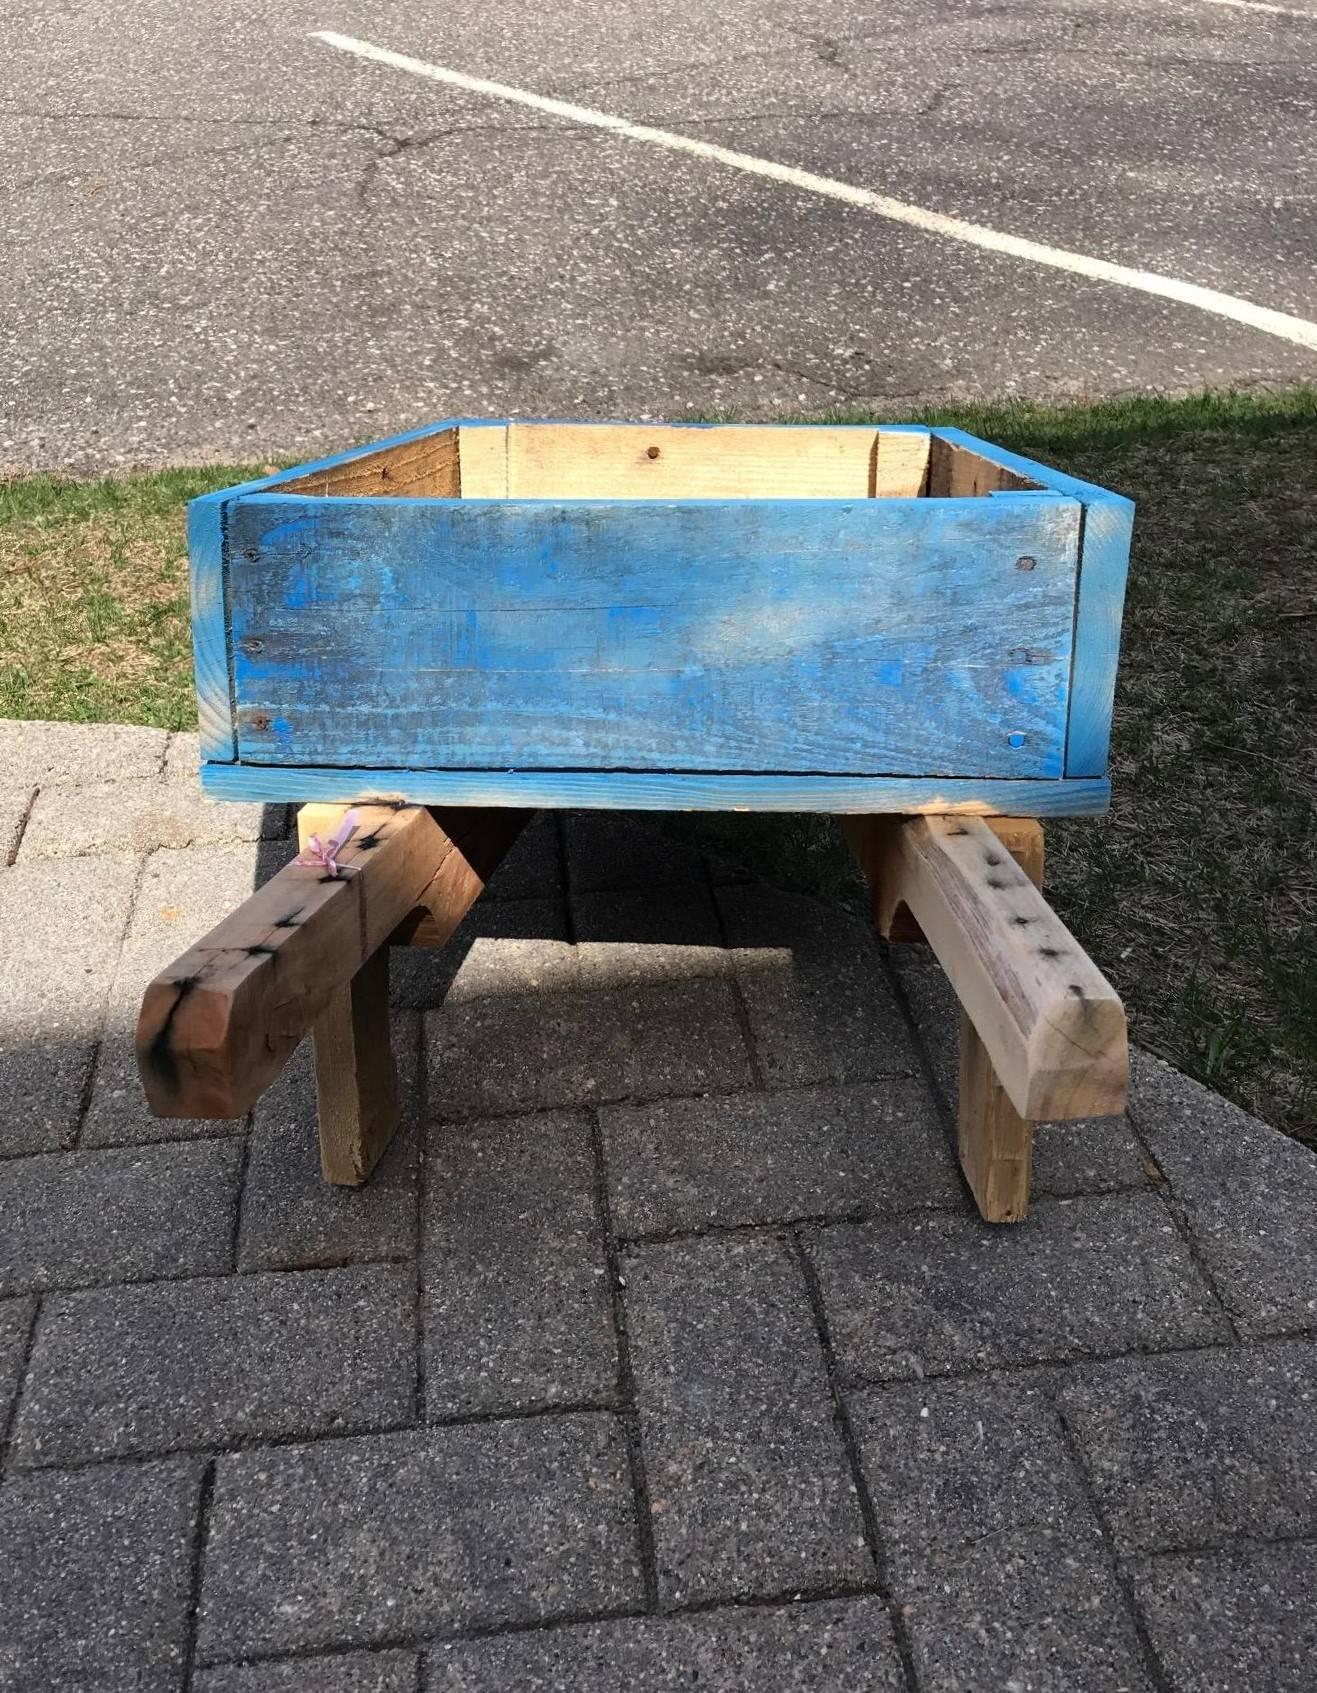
325 853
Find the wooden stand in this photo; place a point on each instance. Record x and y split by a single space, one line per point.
1042 1031
308 952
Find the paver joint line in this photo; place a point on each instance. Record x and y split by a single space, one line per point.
846 1431
627 1408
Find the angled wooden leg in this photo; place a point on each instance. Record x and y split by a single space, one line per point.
994 1142
1042 1032
356 1075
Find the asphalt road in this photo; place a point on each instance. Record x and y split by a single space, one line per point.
223 239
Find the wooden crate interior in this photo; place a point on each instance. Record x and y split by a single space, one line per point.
655 461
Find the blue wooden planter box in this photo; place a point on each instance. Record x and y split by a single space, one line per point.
635 615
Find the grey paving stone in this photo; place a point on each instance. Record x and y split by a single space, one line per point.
648 935
95 1578
609 850
497 1056
136 816
71 1218
875 1147
63 924
820 1004
1195 1449
1242 1621
187 1364
951 1463
1249 1194
14 807
35 755
749 1485
533 866
993 1551
346 1542
935 1011
184 893
1090 1155
15 1325
291 1218
835 1644
518 1308
353 1672
183 757
926 1296
505 946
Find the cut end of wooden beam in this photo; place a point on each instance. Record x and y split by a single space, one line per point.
1052 1025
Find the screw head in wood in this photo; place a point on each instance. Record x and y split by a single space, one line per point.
1025 562
1015 738
651 452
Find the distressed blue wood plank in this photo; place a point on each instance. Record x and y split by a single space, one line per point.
1104 565
210 640
604 790
891 635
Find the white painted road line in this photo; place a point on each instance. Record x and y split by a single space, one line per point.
1298 330
1261 6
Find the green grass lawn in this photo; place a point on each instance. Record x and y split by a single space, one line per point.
1197 894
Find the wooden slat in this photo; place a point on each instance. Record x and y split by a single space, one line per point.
1103 567
619 461
955 471
210 634
1053 1026
427 464
358 1106
619 790
482 451
899 636
217 1027
994 1142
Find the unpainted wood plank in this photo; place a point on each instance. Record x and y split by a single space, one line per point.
620 790
899 636
424 465
993 1141
482 451
955 471
557 461
357 1102
1053 1026
219 1024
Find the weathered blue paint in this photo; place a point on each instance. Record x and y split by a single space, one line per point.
608 790
1104 551
210 637
891 636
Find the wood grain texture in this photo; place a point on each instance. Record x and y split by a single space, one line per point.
874 839
357 1103
1105 537
993 1141
956 471
482 452
1053 1026
219 1024
891 636
421 465
558 461
611 790
210 633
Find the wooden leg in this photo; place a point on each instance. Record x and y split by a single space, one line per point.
356 1076
994 1142
1042 1033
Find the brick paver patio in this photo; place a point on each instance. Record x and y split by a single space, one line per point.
664 1350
